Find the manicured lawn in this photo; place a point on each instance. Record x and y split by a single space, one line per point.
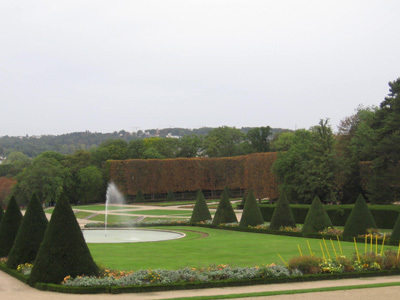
82 214
100 207
220 247
113 218
160 212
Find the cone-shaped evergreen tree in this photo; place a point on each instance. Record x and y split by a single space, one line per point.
317 219
360 219
200 211
139 197
63 250
396 231
1 213
30 235
9 227
251 215
224 213
282 215
170 196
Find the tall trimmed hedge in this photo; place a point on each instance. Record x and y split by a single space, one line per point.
139 197
224 213
9 227
200 212
157 176
63 251
30 234
317 219
282 216
1 213
360 219
251 215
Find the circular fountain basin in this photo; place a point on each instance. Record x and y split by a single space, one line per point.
129 235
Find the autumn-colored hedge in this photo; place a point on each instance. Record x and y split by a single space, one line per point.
156 176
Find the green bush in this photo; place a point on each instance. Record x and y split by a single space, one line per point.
1 213
139 197
170 196
282 214
9 227
30 235
200 211
317 219
396 231
224 213
251 215
360 219
63 251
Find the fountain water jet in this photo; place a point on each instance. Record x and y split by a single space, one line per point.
113 196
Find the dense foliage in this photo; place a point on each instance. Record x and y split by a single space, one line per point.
200 212
224 213
63 251
317 219
251 215
30 235
9 227
282 216
360 219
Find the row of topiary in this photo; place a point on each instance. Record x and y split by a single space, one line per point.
56 248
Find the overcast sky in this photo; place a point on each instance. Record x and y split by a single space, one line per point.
104 66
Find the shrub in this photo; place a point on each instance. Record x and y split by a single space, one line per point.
306 264
139 197
200 211
317 219
63 251
30 235
1 213
170 196
251 215
224 213
360 219
282 215
396 231
9 227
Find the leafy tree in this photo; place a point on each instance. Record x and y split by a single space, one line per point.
30 235
9 227
360 219
190 146
282 216
63 251
259 138
251 215
136 149
152 153
110 149
91 184
223 142
45 177
308 168
18 162
225 212
282 141
317 219
200 211
383 185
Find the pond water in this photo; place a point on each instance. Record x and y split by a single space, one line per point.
129 235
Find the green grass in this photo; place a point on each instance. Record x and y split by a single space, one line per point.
82 214
220 247
100 207
160 212
113 218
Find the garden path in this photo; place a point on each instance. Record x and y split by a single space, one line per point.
13 289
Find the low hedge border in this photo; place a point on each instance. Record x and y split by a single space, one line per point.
14 273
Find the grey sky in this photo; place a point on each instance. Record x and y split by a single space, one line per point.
102 66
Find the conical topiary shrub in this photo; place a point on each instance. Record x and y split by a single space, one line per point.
200 211
396 231
63 251
251 215
9 227
317 219
30 235
282 216
1 213
360 219
224 213
170 196
139 197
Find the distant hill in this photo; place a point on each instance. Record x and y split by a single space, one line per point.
70 142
